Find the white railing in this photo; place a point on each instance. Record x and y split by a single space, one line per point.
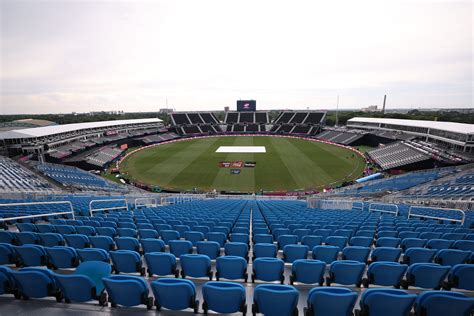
153 202
384 208
92 210
37 215
325 204
414 208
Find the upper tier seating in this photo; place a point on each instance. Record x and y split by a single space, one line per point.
77 178
15 178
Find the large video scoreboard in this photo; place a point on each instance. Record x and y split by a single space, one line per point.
246 105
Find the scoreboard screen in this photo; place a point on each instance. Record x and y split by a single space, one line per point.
246 105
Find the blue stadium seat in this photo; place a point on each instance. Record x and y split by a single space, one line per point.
388 242
237 237
294 252
217 237
452 257
102 242
361 241
301 232
127 261
212 249
337 241
284 240
193 236
387 233
7 254
180 247
161 263
327 254
65 229
61 257
346 272
308 271
77 241
85 284
386 254
412 243
106 231
268 269
418 255
174 294
27 238
464 245
311 241
148 234
425 275
45 228
26 227
385 302
8 237
356 253
224 297
461 276
127 243
169 235
51 239
201 228
264 250
93 254
238 249
263 239
31 255
439 244
181 229
127 291
275 300
231 268
152 245
35 283
436 303
86 230
127 232
195 266
330 301
385 273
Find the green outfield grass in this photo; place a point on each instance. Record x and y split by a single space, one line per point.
288 164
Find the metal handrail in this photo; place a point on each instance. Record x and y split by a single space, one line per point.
146 199
436 217
38 215
91 210
371 209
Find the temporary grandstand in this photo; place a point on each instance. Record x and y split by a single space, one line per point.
194 123
63 140
299 122
457 136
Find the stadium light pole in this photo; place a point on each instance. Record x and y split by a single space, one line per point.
337 109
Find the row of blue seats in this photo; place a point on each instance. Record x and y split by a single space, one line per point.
422 274
223 297
359 249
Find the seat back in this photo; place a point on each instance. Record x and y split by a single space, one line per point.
174 294
387 302
126 290
224 297
160 263
274 300
328 301
308 271
231 267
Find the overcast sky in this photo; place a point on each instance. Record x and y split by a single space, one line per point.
66 56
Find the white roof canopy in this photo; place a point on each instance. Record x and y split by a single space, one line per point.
461 128
66 128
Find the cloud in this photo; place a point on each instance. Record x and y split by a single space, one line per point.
70 56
